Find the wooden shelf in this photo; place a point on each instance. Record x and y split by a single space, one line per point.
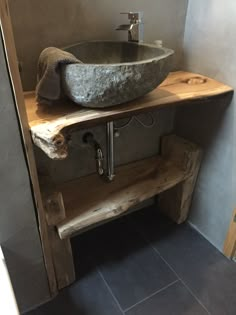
49 124
90 200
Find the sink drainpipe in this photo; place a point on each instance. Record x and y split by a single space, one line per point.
110 151
89 139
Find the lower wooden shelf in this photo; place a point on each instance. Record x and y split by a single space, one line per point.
78 205
90 200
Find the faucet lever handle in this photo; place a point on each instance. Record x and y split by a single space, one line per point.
134 16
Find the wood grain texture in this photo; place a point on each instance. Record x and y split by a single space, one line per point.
61 249
176 201
90 200
230 242
11 56
49 124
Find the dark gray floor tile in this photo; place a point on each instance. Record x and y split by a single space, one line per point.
129 265
89 296
210 276
175 300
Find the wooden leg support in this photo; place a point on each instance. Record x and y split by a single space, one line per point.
176 201
230 242
61 249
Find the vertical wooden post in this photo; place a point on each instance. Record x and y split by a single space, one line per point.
176 201
230 242
61 249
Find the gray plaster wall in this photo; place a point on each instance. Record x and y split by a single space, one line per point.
19 236
39 24
209 48
134 143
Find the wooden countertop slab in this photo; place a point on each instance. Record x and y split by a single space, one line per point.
49 124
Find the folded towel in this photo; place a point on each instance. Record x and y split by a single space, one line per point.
49 77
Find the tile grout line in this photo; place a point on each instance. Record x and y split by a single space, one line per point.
184 284
197 299
151 295
110 290
181 280
159 254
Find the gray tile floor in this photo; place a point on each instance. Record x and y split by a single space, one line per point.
144 264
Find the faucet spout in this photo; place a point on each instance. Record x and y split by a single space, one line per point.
124 27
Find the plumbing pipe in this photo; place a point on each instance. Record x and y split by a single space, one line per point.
89 139
110 151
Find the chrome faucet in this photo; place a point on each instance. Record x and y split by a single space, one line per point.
135 28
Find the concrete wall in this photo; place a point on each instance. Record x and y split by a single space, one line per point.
134 143
39 24
209 48
19 236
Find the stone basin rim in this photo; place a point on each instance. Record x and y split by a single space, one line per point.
166 52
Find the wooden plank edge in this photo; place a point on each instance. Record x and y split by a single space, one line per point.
230 241
100 223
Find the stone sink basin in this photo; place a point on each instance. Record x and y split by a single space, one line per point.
114 72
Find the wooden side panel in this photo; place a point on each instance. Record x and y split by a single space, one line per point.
20 106
176 201
230 242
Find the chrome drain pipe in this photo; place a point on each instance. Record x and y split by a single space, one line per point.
89 139
110 151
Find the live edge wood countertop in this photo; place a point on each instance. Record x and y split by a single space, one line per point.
50 124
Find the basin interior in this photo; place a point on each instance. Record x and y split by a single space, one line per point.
102 52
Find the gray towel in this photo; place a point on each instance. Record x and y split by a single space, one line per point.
49 88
